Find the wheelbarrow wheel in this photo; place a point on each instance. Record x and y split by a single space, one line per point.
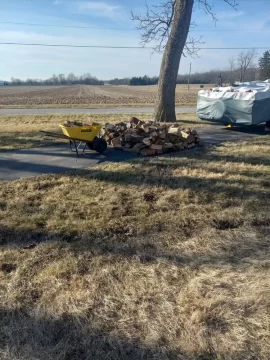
90 145
99 145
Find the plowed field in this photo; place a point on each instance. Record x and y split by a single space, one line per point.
89 95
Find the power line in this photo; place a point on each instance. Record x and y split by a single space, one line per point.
126 47
123 29
229 30
78 46
234 48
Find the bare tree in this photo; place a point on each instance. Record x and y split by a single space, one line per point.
62 79
71 79
168 25
232 64
245 61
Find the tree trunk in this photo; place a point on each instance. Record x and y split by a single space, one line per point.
165 104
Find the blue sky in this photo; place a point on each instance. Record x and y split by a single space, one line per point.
42 62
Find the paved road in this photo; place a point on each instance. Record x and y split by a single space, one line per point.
115 110
52 160
57 159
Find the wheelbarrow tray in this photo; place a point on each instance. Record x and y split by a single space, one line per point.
81 133
80 138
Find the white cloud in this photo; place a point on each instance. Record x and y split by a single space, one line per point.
100 9
224 15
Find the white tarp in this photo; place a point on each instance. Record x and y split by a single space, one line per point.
247 91
248 103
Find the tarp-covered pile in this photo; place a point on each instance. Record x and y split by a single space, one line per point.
246 104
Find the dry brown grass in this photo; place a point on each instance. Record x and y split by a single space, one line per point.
161 258
22 131
87 95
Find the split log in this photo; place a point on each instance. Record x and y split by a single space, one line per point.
116 142
147 151
163 134
147 141
173 131
136 138
156 147
134 121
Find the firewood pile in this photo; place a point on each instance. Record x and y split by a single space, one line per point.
149 138
70 123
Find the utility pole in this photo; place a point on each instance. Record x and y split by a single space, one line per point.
220 80
189 76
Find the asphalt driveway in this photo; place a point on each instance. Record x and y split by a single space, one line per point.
55 159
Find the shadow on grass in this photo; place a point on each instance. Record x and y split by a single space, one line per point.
151 247
22 140
216 186
197 158
25 336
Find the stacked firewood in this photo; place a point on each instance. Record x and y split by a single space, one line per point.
74 123
149 138
70 123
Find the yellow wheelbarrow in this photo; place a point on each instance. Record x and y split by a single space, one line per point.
81 138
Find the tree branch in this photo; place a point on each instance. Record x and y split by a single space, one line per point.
209 8
157 21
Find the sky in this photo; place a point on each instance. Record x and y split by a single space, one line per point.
111 25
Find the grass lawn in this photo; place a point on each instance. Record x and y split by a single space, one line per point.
157 258
22 131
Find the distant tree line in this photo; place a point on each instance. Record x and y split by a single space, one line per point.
228 76
135 81
116 81
240 68
60 79
213 77
146 80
